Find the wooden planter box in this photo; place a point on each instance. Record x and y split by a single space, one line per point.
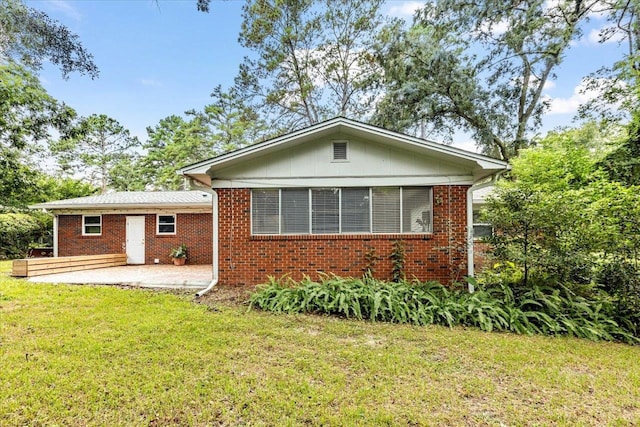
39 266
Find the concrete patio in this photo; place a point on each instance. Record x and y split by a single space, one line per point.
150 276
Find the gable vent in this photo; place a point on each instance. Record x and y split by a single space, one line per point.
339 150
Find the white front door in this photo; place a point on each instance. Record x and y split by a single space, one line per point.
135 240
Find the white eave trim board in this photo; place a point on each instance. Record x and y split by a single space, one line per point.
106 206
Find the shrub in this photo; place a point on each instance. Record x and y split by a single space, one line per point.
18 230
535 310
621 279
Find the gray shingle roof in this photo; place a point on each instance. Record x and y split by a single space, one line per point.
132 198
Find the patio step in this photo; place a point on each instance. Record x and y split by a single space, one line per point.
38 266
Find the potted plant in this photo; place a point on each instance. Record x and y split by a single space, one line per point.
179 255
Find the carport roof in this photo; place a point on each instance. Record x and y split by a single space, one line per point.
133 199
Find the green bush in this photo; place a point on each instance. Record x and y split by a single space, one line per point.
536 310
621 279
19 230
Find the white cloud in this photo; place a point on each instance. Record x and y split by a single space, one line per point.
150 82
570 105
594 36
497 29
550 4
66 8
405 9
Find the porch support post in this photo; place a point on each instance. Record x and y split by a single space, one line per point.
55 235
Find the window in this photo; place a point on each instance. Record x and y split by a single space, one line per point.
325 211
386 209
295 211
91 225
416 210
265 211
481 229
355 210
166 224
341 210
339 151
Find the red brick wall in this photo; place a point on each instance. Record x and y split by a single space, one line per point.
195 230
246 259
481 256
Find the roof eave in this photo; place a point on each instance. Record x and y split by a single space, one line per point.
110 206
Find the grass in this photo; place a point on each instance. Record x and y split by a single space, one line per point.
86 355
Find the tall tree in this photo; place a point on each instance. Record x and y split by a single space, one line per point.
30 37
93 147
311 59
478 66
559 217
22 183
283 34
623 163
28 119
232 123
348 68
16 179
617 84
127 175
224 125
172 143
27 113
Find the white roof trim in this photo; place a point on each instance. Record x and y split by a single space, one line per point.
138 207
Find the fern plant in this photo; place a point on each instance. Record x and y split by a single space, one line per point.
536 310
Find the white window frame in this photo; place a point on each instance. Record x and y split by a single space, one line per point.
480 224
370 231
84 225
253 233
175 225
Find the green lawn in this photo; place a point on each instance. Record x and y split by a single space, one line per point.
86 355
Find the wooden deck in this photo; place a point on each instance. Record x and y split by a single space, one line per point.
38 266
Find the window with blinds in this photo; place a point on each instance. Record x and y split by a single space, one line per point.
416 210
265 211
325 217
355 210
295 210
342 210
386 209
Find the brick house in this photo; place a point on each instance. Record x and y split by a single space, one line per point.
325 199
144 225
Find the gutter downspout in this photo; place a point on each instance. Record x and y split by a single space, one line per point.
214 256
214 217
470 251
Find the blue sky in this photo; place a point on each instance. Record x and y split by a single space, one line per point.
162 58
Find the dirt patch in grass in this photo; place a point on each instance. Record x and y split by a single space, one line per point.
227 294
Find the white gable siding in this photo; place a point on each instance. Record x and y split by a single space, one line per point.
370 164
